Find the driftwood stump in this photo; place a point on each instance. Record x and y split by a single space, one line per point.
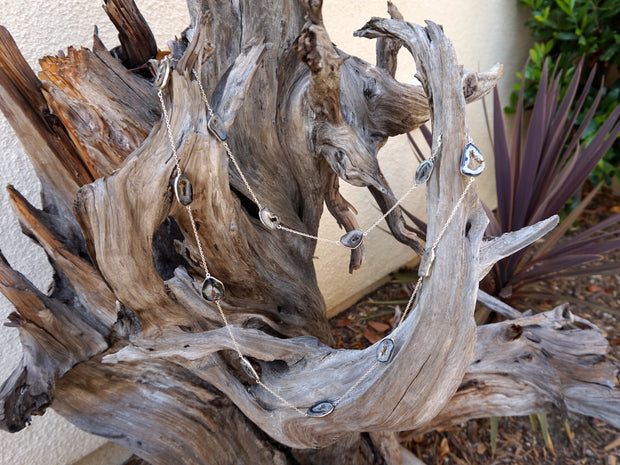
125 347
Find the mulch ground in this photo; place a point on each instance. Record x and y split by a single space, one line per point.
575 439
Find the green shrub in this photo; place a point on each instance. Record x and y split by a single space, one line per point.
565 31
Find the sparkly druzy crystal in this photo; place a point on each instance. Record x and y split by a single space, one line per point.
212 289
472 161
321 409
385 349
271 220
424 171
216 126
183 190
352 239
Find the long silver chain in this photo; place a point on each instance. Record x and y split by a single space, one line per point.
260 206
179 173
213 290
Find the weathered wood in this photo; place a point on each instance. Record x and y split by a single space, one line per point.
126 348
45 140
72 271
55 335
106 110
302 380
137 41
533 364
495 249
498 306
540 362
387 49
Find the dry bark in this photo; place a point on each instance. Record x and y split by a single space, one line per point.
124 347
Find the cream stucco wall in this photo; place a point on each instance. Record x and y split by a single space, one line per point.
483 32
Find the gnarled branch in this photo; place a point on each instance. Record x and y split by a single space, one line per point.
146 349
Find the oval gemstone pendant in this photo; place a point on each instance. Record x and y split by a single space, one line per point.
322 409
472 161
248 368
217 128
269 219
212 289
385 349
183 190
423 173
352 239
162 74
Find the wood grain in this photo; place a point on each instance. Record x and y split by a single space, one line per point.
125 347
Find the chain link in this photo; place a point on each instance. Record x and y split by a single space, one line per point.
398 202
282 399
309 236
179 173
245 181
169 131
409 304
357 383
202 254
452 213
204 95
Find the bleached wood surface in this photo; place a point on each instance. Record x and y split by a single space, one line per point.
161 379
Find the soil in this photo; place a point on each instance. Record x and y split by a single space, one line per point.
573 439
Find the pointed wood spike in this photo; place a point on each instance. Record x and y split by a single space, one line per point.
134 33
88 287
494 250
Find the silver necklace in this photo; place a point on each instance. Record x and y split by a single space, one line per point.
350 240
213 289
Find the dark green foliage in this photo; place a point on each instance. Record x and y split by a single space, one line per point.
565 31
